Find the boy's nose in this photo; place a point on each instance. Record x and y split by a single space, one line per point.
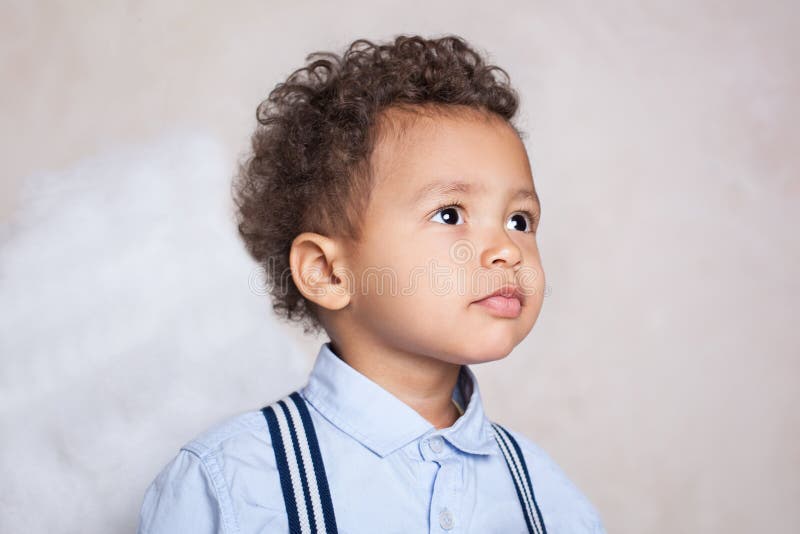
501 250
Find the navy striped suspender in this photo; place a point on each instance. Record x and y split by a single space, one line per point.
522 480
302 473
305 485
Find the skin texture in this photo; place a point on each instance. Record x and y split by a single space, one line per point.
399 305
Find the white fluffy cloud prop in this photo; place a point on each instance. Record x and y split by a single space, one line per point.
130 323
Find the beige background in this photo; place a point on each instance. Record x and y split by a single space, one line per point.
662 374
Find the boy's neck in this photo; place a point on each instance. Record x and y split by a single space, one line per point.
423 383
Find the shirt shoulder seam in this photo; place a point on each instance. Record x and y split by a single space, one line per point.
209 464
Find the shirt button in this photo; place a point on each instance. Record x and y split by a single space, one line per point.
436 444
446 519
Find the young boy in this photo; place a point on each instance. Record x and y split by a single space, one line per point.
391 201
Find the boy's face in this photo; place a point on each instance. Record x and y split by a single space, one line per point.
419 270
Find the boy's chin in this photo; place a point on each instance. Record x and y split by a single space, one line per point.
493 342
487 349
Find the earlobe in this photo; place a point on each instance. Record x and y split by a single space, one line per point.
318 272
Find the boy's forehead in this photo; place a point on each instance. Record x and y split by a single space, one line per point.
431 158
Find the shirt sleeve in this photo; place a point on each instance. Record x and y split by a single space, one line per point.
188 495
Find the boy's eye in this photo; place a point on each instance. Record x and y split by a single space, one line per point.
522 221
449 214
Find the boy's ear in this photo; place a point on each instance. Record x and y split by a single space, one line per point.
319 270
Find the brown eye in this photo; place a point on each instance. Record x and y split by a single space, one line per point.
521 221
449 215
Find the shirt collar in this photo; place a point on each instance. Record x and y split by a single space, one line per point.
382 422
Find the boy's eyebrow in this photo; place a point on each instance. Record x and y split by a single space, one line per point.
442 188
445 187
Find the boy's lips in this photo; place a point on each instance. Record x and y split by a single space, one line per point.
507 291
505 302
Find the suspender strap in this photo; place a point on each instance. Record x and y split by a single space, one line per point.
302 473
522 480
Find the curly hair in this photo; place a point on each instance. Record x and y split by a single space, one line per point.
310 169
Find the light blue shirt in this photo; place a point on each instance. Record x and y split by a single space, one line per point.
389 469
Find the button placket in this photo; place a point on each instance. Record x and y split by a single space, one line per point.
445 499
